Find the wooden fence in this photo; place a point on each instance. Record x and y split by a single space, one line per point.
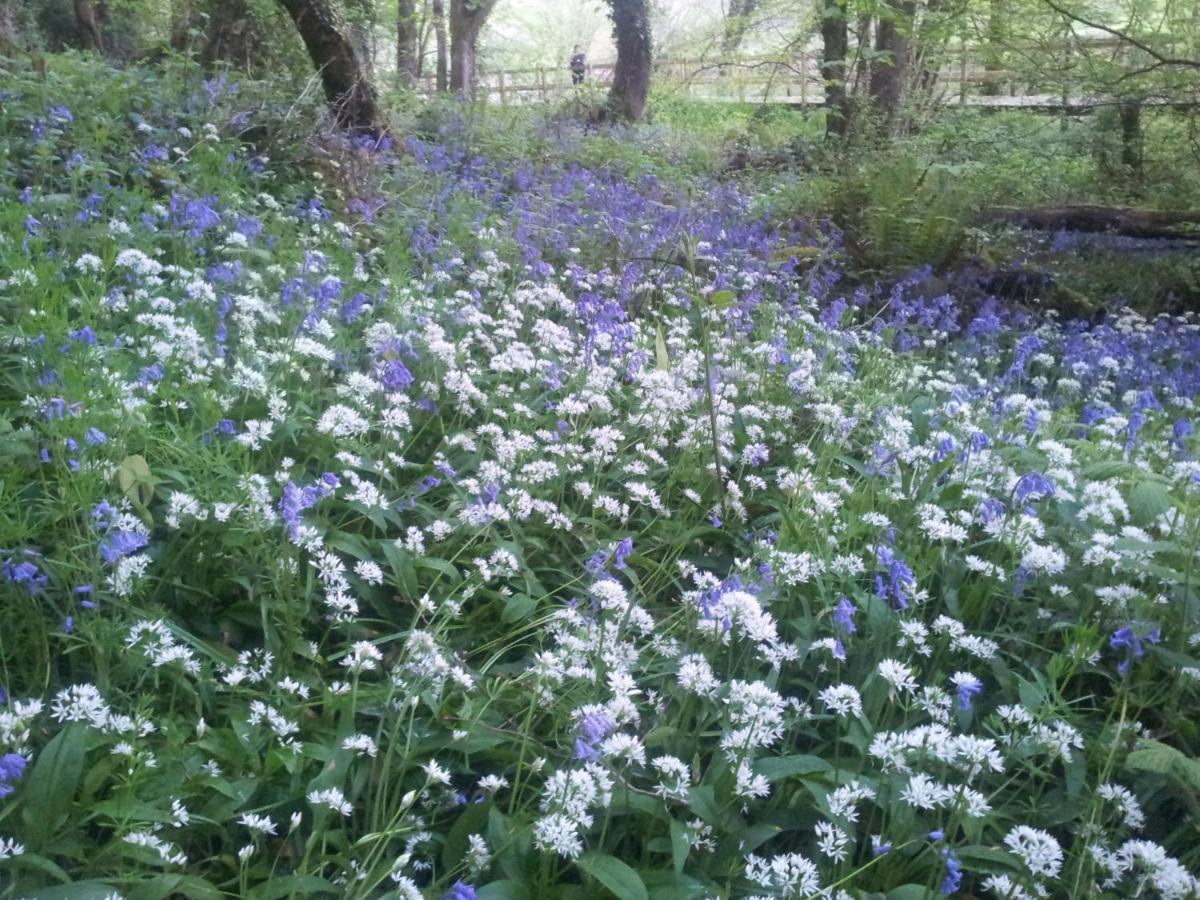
960 78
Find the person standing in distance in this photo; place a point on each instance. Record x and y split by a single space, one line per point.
578 66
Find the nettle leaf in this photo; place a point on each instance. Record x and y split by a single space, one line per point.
615 875
1163 759
1148 501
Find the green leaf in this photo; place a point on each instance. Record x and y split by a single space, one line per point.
910 892
135 481
985 859
661 360
163 886
681 845
80 890
301 885
721 299
472 820
1148 501
774 768
1155 756
51 787
517 608
505 889
621 880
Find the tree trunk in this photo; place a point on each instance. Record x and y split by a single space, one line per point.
994 49
1139 223
360 30
466 21
439 36
737 22
408 61
631 77
835 42
231 35
91 37
350 94
889 75
1130 113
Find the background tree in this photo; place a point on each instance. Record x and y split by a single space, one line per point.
89 17
738 17
466 21
631 77
438 13
890 68
350 93
835 46
408 31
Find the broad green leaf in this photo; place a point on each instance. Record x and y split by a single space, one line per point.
505 889
774 768
1148 501
517 608
721 299
80 890
51 786
287 885
1155 756
621 880
681 845
135 481
662 360
162 886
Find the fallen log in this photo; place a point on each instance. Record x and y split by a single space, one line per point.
1137 223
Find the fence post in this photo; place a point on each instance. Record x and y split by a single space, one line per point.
542 82
804 77
503 96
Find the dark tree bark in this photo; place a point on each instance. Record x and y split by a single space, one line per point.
835 43
1130 114
466 21
631 77
232 35
408 60
87 17
350 94
994 48
1139 223
441 45
360 30
737 22
889 76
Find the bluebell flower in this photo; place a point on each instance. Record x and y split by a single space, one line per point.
1035 485
460 891
1133 644
843 615
954 874
966 686
120 544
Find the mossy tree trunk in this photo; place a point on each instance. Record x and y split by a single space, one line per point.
350 93
631 78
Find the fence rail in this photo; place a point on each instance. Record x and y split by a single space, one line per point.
961 77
